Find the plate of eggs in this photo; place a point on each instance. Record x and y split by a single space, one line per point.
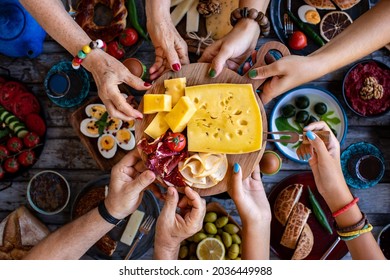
110 132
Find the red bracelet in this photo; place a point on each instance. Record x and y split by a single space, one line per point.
345 208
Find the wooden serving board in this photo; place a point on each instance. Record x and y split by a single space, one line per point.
196 74
91 143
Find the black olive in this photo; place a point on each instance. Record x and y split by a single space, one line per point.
320 108
302 102
310 120
302 116
287 111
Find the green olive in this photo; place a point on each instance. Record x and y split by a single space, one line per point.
199 237
302 102
221 221
320 108
192 249
231 228
287 111
210 217
302 116
233 252
236 239
227 239
210 228
183 252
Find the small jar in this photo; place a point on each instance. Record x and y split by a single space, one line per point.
136 67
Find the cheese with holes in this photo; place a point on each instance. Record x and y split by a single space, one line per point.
132 227
219 24
154 103
227 119
158 126
175 88
180 115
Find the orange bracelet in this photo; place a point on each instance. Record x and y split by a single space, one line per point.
345 208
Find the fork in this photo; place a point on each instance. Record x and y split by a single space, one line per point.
295 136
144 229
72 12
288 24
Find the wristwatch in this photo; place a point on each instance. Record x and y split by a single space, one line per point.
107 216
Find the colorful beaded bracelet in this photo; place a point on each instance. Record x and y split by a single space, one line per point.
82 54
362 222
355 232
345 208
254 14
349 238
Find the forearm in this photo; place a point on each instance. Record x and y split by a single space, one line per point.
255 241
156 9
368 33
163 251
72 240
260 5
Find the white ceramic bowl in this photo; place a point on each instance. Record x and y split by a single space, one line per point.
48 192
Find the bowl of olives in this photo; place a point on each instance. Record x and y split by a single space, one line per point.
301 106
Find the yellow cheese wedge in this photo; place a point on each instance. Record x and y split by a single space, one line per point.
132 227
175 88
219 24
227 119
158 126
154 103
180 115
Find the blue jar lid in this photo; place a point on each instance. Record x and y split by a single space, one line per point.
12 21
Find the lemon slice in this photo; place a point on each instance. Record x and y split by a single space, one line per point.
334 23
210 249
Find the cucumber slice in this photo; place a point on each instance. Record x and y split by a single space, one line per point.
22 133
4 115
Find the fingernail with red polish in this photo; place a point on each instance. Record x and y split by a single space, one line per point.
140 119
146 84
176 67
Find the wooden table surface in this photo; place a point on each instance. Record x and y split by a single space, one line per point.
63 151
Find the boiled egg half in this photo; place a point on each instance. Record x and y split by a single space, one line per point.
125 139
95 110
114 124
309 14
107 145
89 128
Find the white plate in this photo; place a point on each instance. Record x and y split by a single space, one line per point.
315 95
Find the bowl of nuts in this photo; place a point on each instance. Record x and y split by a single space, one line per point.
366 88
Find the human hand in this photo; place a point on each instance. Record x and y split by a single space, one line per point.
250 197
129 178
170 48
324 159
233 49
172 228
286 73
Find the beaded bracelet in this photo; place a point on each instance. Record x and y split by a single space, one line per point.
355 232
257 16
363 221
345 208
82 54
349 238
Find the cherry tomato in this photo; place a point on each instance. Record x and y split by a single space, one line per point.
11 165
26 158
3 152
31 139
115 49
176 142
128 37
297 40
14 144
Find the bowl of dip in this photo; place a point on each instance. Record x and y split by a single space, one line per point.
366 88
384 241
48 192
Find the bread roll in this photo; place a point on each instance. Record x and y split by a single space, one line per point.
305 244
285 202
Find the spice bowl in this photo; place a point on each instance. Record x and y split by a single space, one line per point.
48 192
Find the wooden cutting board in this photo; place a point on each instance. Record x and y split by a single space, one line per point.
196 74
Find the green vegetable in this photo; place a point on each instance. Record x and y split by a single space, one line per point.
326 118
302 102
4 132
133 18
287 111
13 123
282 124
318 212
306 29
102 123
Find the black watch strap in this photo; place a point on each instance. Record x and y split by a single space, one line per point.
107 216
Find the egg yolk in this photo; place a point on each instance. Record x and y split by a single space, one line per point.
107 143
97 111
312 17
123 135
92 128
113 124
